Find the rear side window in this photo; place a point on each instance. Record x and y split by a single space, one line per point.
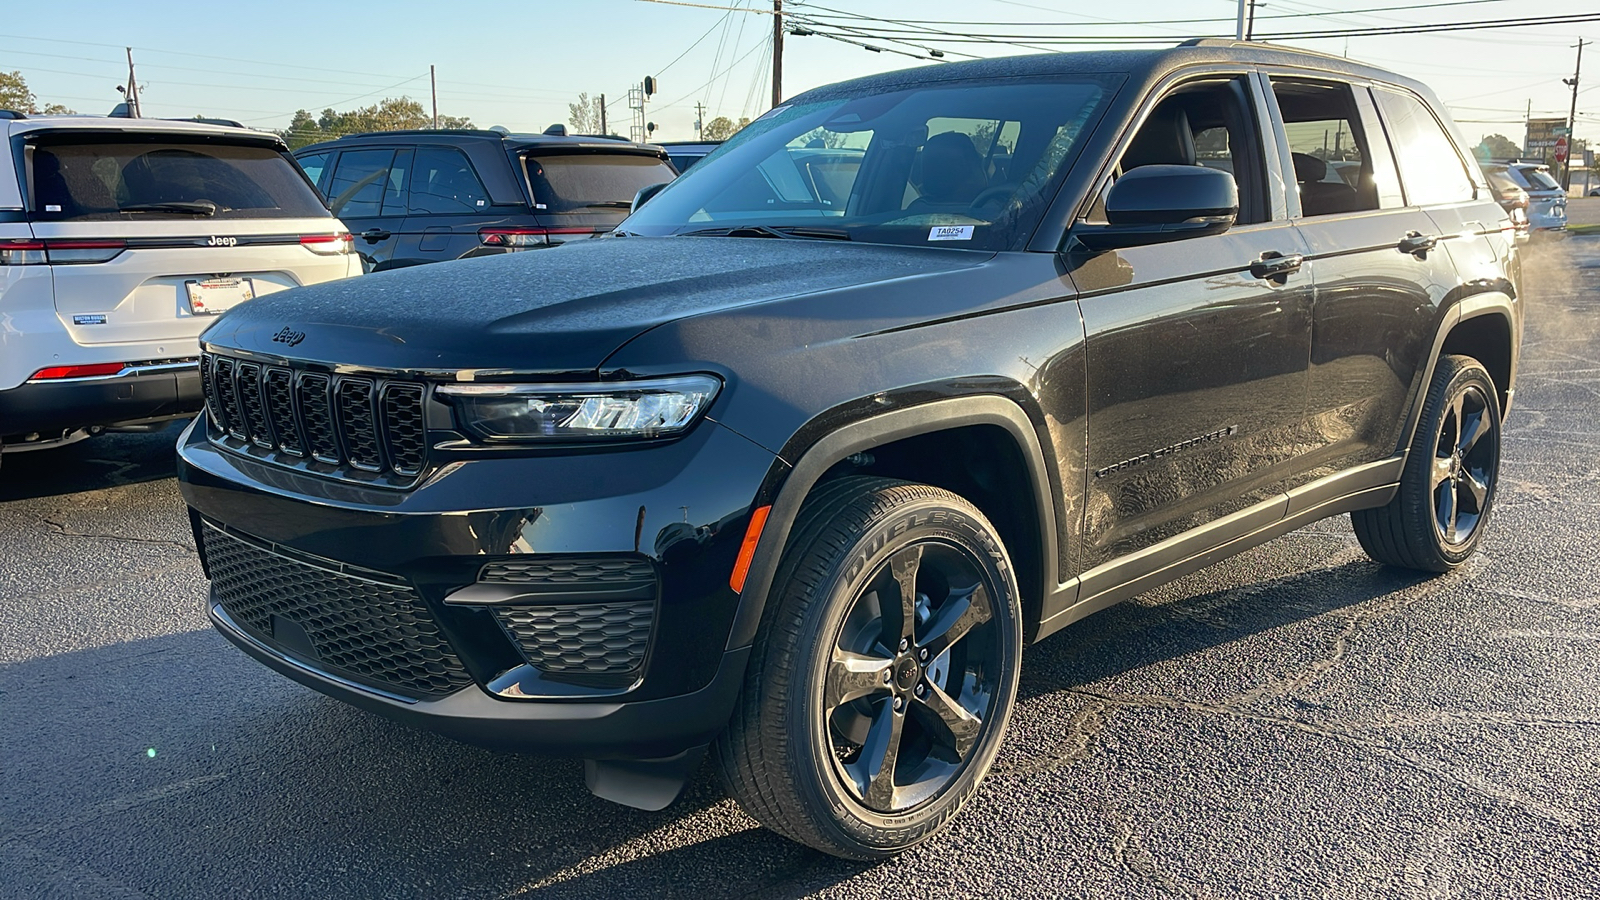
1328 148
1430 167
579 182
88 177
369 183
442 181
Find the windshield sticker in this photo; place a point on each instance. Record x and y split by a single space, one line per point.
950 233
772 112
89 320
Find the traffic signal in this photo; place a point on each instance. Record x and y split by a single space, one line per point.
649 85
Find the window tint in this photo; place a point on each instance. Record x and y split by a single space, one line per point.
442 181
313 166
583 181
1430 167
87 176
359 183
1333 168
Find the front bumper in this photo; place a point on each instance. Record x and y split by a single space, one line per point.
678 508
142 394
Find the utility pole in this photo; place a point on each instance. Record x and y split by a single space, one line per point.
1572 117
603 130
434 87
699 121
777 52
133 89
1250 22
1238 31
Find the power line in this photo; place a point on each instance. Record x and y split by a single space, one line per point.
835 13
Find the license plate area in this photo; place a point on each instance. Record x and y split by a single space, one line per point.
215 296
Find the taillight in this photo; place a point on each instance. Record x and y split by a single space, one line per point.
328 244
63 252
524 238
22 253
89 371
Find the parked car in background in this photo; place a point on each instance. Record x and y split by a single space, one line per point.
916 369
686 153
1511 196
1547 202
414 197
120 241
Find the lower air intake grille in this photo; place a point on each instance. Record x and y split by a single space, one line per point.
583 638
362 629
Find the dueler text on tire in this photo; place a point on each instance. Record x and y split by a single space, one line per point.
1437 519
884 674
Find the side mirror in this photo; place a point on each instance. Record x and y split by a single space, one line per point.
1156 204
644 196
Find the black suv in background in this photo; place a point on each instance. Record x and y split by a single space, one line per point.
413 197
915 370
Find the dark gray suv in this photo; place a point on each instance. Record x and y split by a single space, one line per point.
413 197
914 371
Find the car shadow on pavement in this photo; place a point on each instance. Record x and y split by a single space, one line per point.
109 460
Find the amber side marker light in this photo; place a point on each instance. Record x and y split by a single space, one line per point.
747 550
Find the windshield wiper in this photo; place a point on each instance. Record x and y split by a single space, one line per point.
195 207
774 231
610 204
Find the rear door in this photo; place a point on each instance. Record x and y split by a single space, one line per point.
367 191
447 205
151 234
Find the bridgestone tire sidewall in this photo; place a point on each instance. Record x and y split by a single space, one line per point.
912 522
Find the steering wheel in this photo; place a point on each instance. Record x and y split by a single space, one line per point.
989 195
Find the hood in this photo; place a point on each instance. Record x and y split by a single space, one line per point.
555 311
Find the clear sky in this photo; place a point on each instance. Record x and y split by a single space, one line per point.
519 64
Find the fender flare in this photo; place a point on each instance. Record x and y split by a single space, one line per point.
1487 303
864 434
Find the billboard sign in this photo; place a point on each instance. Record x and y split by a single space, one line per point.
1542 137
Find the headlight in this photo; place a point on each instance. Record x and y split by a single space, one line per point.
661 407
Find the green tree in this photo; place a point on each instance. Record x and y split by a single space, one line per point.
584 116
389 114
1497 146
721 128
15 95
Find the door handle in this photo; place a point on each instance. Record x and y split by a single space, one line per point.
1275 265
374 235
1417 244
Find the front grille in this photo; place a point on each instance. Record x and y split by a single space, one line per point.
344 426
370 628
577 570
583 638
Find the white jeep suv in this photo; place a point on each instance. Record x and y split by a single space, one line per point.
120 241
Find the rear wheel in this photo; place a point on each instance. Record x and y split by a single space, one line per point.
1437 519
884 676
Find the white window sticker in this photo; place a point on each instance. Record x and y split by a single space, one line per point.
950 233
52 207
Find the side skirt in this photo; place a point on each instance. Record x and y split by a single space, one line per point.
1105 585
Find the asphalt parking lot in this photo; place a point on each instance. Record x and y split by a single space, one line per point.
1295 722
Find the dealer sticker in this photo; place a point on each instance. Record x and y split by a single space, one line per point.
950 233
99 319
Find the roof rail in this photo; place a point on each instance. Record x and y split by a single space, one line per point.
12 114
1264 45
469 131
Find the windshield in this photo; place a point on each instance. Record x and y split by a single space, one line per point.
968 166
1537 180
586 181
89 177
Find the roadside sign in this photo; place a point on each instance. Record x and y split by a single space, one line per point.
1561 150
1560 130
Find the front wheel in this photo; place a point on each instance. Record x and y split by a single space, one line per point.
885 672
1438 517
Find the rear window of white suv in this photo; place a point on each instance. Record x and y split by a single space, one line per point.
77 177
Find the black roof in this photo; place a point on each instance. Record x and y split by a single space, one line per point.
1139 65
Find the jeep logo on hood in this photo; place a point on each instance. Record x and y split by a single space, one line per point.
289 336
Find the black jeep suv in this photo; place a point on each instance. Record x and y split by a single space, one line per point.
413 197
918 369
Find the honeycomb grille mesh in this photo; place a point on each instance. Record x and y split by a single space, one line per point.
582 639
360 629
609 570
333 419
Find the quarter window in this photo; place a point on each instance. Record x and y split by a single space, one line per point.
1430 167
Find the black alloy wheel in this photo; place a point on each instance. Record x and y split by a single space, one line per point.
884 673
912 677
1441 510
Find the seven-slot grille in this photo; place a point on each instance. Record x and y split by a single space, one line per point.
354 424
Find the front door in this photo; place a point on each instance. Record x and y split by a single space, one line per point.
367 191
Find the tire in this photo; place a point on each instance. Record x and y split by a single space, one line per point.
805 749
1438 517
